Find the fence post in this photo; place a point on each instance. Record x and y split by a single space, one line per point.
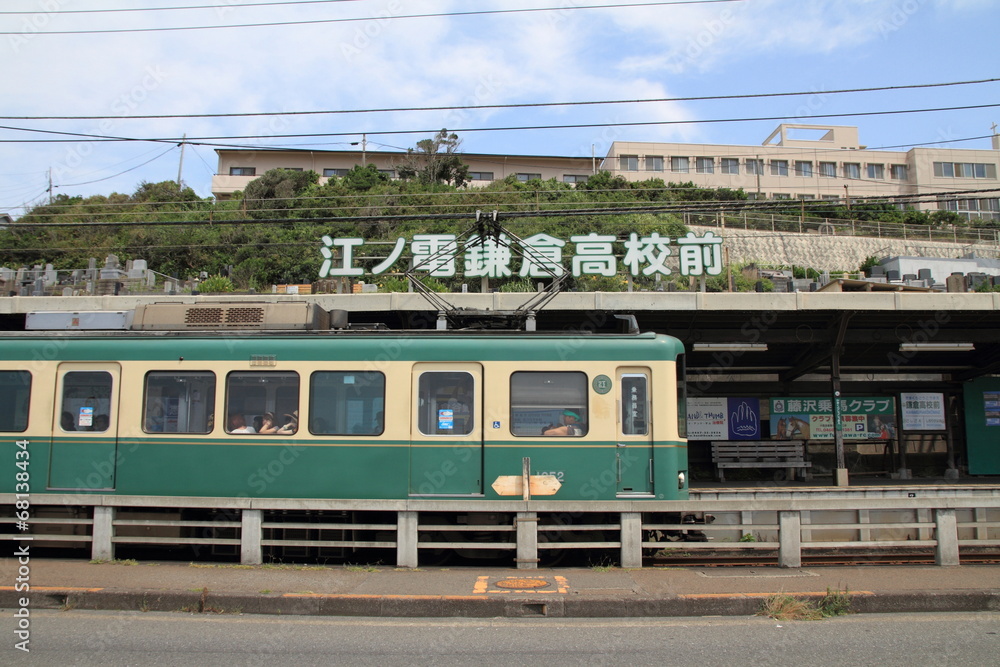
946 533
527 540
631 539
789 534
406 539
251 522
102 546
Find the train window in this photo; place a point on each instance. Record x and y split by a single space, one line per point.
548 401
86 401
254 398
179 402
635 404
447 403
15 390
347 403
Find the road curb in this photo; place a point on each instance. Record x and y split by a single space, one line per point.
439 606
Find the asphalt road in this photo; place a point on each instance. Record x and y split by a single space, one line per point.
135 638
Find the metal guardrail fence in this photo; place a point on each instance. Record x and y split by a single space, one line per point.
834 227
250 528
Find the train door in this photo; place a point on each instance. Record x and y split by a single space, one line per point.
634 453
84 445
446 436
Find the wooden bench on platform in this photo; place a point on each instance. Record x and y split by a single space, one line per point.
790 454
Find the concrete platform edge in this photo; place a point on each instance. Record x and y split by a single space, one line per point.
207 602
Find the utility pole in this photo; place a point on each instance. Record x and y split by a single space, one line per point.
364 146
50 185
180 167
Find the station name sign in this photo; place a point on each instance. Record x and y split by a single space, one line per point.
538 256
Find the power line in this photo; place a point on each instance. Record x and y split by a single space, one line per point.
108 178
525 105
617 209
216 7
271 24
208 141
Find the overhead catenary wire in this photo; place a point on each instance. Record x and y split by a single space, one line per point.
521 105
209 140
272 24
666 207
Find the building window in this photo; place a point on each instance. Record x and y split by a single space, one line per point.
781 195
755 166
779 167
828 169
852 170
965 170
898 172
178 402
250 397
876 171
336 172
705 165
347 403
391 173
524 178
575 178
730 165
15 392
243 171
830 198
654 163
541 400
480 175
628 163
807 197
292 168
679 165
803 168
987 209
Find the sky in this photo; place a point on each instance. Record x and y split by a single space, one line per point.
375 54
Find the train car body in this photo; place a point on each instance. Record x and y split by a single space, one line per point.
355 415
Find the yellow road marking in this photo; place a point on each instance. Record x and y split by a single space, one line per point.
54 588
763 595
482 586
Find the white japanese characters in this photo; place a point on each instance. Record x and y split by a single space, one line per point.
542 256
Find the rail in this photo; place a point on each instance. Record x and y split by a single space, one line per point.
244 528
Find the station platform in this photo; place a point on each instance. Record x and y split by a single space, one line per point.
380 591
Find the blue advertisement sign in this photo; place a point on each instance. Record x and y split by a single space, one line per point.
744 418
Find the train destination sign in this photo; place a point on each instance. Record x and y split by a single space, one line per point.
543 255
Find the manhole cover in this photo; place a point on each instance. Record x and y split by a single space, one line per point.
522 583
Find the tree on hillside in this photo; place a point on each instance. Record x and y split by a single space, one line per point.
272 195
435 160
364 178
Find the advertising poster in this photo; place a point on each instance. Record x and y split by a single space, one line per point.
723 418
922 411
862 418
991 405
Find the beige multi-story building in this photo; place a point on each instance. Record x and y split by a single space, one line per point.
807 162
239 167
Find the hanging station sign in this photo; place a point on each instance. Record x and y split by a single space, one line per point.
540 256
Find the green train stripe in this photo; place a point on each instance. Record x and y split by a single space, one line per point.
366 350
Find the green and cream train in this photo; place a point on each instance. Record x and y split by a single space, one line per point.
271 401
